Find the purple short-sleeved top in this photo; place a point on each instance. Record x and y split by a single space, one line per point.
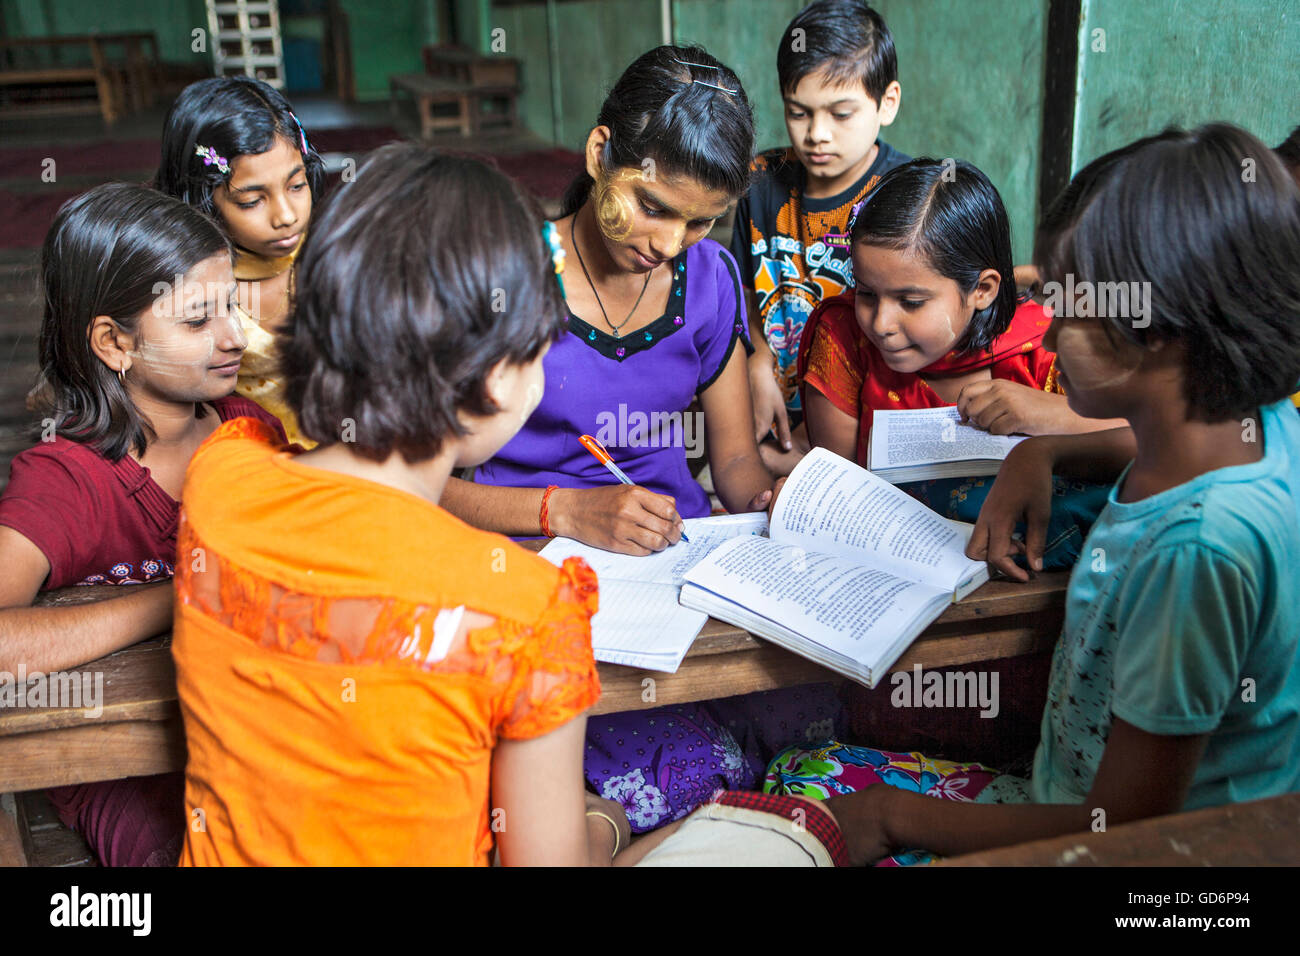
632 392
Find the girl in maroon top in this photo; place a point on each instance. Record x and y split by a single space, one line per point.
132 382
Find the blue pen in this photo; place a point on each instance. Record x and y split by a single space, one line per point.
601 455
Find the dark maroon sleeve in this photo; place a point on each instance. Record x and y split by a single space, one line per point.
236 406
50 501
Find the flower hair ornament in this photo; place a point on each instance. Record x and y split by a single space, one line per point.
210 158
552 237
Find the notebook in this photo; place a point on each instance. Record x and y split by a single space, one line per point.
640 622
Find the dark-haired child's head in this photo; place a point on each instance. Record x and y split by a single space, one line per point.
1176 255
932 263
426 300
839 82
669 154
138 291
1289 152
233 148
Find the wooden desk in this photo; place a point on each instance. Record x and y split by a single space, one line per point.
139 731
1259 833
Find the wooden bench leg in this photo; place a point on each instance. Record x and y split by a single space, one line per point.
426 116
11 841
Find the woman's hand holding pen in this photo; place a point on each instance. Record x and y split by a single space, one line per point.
628 519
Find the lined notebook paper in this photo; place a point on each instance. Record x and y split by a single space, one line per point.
640 622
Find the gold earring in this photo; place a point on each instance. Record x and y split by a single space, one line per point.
121 374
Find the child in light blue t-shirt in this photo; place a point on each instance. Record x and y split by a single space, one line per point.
1182 619
1176 680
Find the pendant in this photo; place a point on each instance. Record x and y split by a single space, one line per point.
617 333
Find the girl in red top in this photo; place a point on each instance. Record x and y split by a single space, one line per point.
132 383
933 321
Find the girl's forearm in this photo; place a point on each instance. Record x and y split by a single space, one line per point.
515 511
904 820
51 638
1092 456
739 480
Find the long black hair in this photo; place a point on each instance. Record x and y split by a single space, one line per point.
952 216
109 252
416 280
234 116
682 108
1209 221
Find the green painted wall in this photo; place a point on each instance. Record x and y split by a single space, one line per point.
170 20
972 79
386 39
526 41
1186 63
744 35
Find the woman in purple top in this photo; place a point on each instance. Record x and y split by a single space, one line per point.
655 321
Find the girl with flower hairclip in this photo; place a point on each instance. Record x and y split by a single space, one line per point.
233 148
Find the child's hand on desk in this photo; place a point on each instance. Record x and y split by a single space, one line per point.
627 519
1007 408
1021 492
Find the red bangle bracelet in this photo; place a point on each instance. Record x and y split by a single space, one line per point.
546 511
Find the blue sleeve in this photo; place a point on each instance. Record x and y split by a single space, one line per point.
727 326
1185 620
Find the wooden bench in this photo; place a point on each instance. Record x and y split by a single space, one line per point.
34 82
493 80
1259 833
122 70
429 93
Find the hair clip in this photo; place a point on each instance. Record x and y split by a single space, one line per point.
302 133
707 66
210 158
853 215
552 237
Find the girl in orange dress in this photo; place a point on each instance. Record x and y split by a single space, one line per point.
365 679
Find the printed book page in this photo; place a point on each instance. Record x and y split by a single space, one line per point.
833 506
853 610
930 436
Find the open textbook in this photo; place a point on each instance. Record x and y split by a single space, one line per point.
918 444
640 623
853 572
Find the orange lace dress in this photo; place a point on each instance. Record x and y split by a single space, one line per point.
347 657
